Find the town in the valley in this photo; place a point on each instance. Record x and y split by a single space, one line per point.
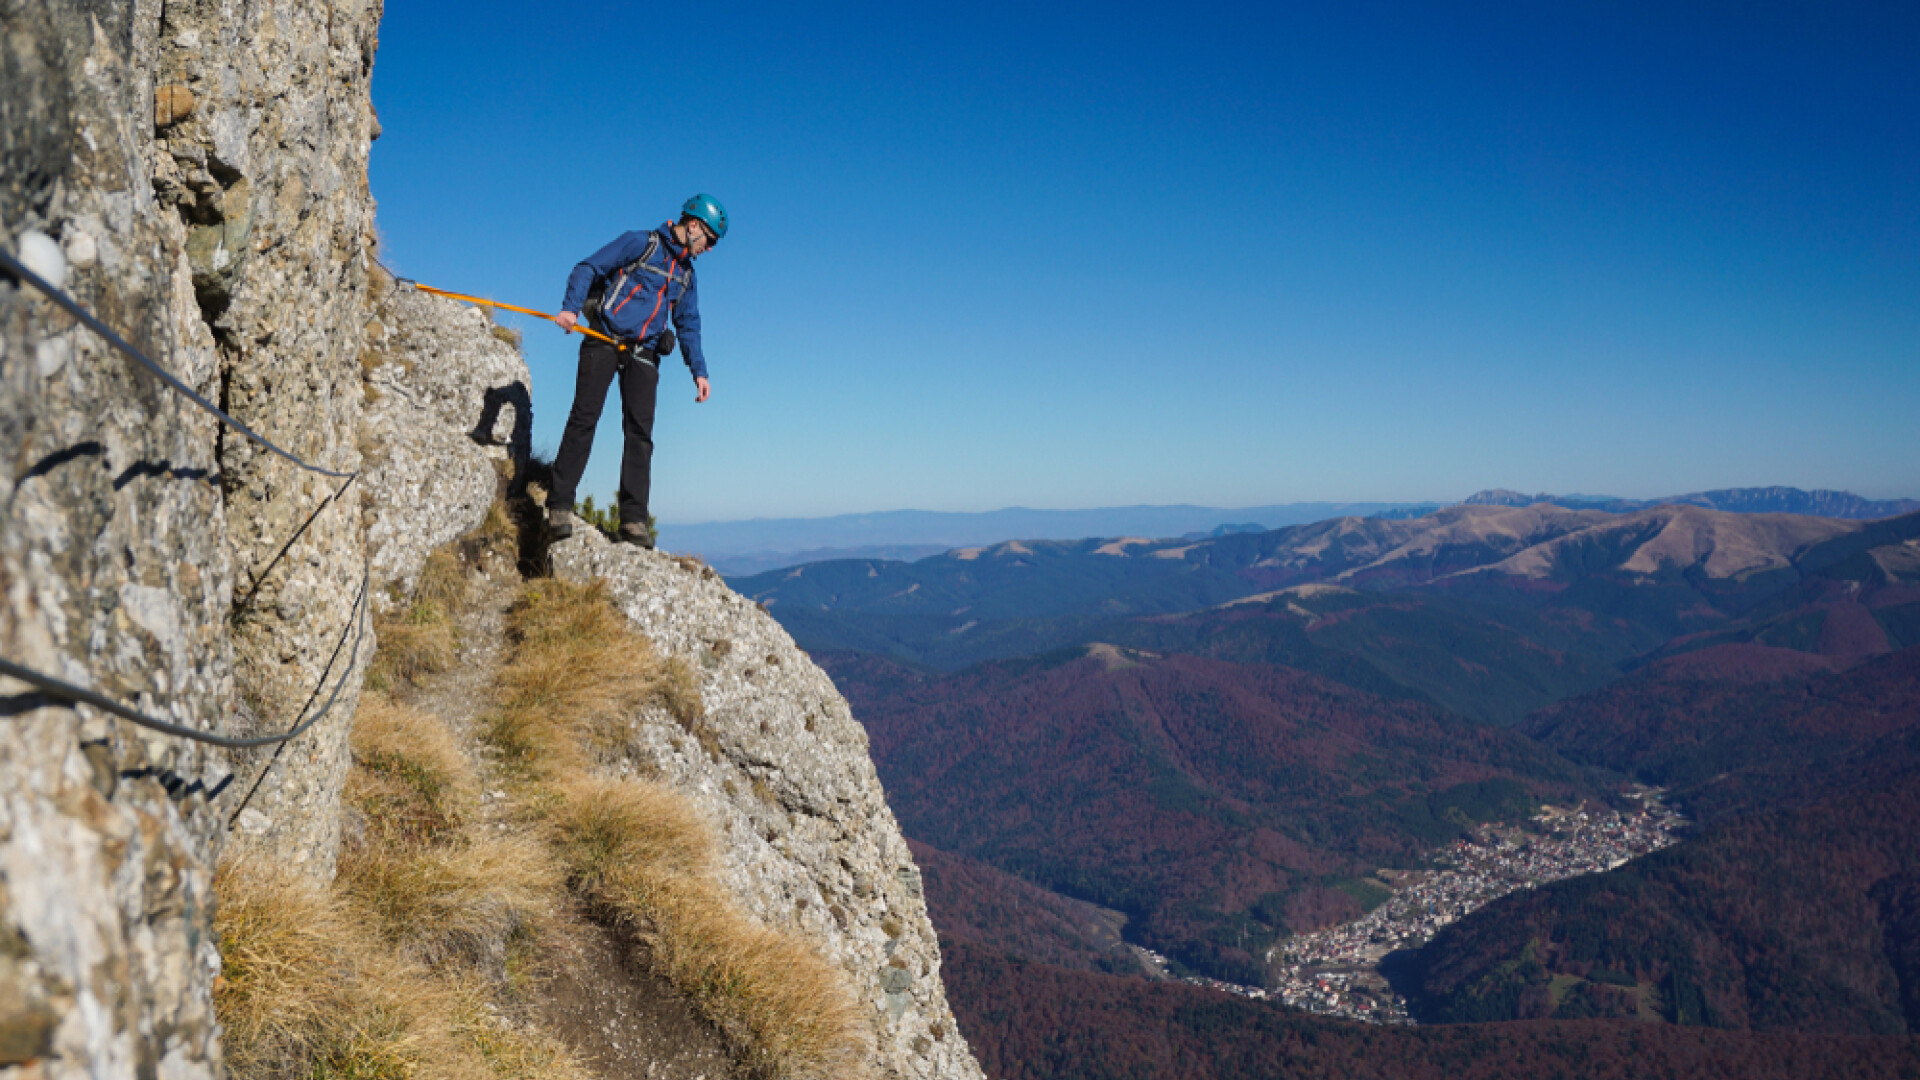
1335 972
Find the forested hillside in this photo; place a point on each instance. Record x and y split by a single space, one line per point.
1031 1021
1791 910
1796 919
1216 804
1204 777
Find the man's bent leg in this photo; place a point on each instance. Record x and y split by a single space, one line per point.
639 387
598 363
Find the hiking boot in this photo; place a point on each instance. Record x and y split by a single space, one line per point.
637 534
559 524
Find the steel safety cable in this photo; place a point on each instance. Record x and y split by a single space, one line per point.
60 687
13 267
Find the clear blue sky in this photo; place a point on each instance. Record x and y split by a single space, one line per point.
1070 256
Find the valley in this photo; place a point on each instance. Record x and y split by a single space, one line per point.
1338 971
1492 764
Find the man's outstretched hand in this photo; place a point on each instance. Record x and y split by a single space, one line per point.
705 388
566 319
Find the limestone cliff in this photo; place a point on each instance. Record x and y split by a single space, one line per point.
194 172
448 412
781 768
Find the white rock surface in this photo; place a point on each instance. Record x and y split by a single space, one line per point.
808 839
448 410
148 554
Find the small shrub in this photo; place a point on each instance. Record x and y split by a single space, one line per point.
607 518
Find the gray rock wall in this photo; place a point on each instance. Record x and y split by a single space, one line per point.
449 409
264 128
114 570
808 839
195 175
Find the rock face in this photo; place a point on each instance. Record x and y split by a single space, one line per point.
196 177
194 173
784 774
261 147
449 408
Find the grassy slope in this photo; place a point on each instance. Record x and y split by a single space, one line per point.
422 958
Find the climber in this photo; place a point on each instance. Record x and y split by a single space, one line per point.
630 290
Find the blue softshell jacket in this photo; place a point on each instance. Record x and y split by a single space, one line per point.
650 294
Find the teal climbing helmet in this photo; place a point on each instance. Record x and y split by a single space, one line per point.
708 209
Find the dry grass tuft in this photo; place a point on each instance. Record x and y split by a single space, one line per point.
436 888
444 582
309 992
498 537
410 778
455 904
577 675
305 992
513 1053
643 855
609 828
422 640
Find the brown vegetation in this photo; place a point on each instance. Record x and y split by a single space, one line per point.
639 852
1030 1021
404 966
308 990
578 673
421 637
414 962
398 969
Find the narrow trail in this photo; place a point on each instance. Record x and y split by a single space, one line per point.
594 991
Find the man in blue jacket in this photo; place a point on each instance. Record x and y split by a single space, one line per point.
632 290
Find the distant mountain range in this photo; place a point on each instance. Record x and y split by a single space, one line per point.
743 548
1760 500
1199 745
1673 578
747 547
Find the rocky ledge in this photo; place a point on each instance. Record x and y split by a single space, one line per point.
781 768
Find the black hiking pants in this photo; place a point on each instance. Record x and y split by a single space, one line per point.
639 384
